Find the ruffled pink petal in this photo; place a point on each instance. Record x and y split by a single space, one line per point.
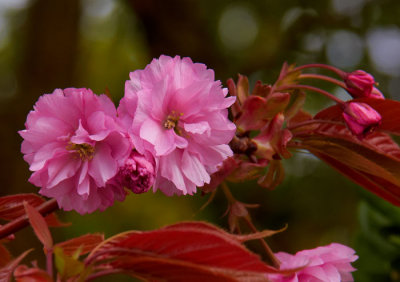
97 127
161 138
45 153
84 187
81 136
201 127
107 105
120 146
45 130
170 168
103 166
62 168
194 170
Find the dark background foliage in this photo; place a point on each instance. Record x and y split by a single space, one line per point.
46 44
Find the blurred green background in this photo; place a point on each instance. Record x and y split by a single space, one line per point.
47 44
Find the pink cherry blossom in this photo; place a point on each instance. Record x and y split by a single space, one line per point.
330 263
74 146
177 111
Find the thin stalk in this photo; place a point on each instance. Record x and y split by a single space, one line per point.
320 66
310 88
322 77
49 262
228 193
313 121
275 262
22 221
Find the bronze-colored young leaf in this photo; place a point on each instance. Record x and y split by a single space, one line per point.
86 243
25 274
5 256
373 163
39 226
189 250
7 270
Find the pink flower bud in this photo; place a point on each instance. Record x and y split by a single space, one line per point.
361 118
138 173
375 93
359 84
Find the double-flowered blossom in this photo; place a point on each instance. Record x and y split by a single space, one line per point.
175 110
330 263
74 146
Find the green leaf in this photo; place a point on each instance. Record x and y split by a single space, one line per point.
67 266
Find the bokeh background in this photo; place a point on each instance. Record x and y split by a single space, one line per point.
47 44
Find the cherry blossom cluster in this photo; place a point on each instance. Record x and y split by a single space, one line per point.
170 132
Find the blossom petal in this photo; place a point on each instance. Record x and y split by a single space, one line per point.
198 128
194 170
161 138
103 166
62 168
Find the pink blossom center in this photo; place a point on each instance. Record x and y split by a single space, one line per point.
171 122
84 151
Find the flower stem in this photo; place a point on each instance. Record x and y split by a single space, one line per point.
321 66
275 262
49 262
228 193
310 88
314 121
322 77
22 221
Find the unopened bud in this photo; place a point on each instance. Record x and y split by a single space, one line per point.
359 84
361 118
138 173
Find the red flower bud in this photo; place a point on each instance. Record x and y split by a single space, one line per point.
361 118
359 84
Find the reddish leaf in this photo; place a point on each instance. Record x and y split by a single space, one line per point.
12 207
6 271
254 115
53 221
190 250
86 242
372 162
39 226
5 256
157 268
242 88
24 274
